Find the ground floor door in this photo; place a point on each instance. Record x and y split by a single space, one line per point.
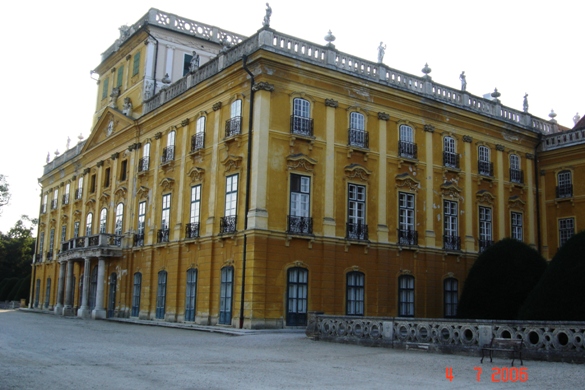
297 289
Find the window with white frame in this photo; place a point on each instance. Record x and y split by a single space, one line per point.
301 122
191 295
516 175
119 223
76 229
79 192
88 224
66 194
406 229
355 294
451 239
55 200
517 229
44 204
299 221
356 212
406 296
485 228
565 184
63 233
51 243
407 147
451 297
103 220
228 222
198 139
450 156
485 166
144 162
168 153
141 224
357 135
193 225
566 230
165 219
234 125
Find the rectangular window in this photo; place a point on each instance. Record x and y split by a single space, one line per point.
41 243
451 240
123 170
517 232
516 174
566 230
51 241
407 234
406 296
355 294
136 64
139 241
198 139
565 185
299 221
406 146
92 184
63 233
485 228
228 222
76 229
105 87
484 165
451 297
193 225
79 191
450 156
186 63
136 294
161 295
356 212
107 178
165 222
233 126
120 75
66 194
55 201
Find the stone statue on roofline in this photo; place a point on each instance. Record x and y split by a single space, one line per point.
127 108
576 118
381 52
194 65
266 21
525 103
463 81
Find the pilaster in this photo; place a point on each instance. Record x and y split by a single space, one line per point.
430 237
213 175
531 210
469 211
501 206
382 229
329 193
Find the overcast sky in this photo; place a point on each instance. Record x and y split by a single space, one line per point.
49 47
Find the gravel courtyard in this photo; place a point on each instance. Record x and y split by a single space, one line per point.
39 351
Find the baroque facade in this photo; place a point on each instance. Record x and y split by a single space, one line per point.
244 181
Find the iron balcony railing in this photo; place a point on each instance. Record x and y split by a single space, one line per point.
484 244
516 175
233 126
38 258
168 154
162 235
143 164
359 138
451 159
227 224
407 149
43 208
78 193
407 237
54 204
65 199
301 125
49 255
565 191
299 225
192 230
97 240
356 231
485 168
138 239
197 142
451 243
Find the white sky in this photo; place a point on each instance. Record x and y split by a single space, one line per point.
518 46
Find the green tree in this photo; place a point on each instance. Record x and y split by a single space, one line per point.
500 280
4 192
16 250
560 293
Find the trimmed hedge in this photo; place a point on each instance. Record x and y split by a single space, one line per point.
560 293
500 280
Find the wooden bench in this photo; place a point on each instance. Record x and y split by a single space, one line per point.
504 345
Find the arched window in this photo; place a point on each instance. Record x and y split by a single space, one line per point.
485 167
450 156
88 224
119 223
103 220
406 296
355 294
168 153
136 294
300 121
516 175
406 146
233 126
451 297
198 139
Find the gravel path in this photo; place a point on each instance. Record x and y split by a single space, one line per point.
50 352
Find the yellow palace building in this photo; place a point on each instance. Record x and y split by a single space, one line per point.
245 181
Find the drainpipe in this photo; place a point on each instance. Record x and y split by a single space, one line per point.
247 201
537 177
155 61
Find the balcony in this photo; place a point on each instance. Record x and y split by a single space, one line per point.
168 154
301 126
516 176
451 243
197 142
485 168
407 149
65 199
138 239
564 191
227 224
43 208
38 258
54 204
162 235
49 256
192 230
451 160
359 138
78 193
143 164
484 244
356 231
98 245
407 237
233 126
299 225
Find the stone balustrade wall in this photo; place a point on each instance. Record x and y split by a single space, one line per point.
543 340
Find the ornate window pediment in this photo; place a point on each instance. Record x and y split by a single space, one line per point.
120 193
64 218
405 180
514 202
196 174
484 196
357 171
90 203
104 197
167 183
142 192
300 161
451 190
232 163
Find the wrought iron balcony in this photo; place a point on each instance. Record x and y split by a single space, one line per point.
407 149
168 154
356 231
301 125
516 176
227 224
78 193
43 208
407 237
103 244
484 244
299 225
65 199
565 191
138 239
38 258
485 168
197 142
143 164
233 126
49 256
162 235
451 243
451 159
192 230
54 204
359 138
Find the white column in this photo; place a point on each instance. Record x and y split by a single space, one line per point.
99 311
84 311
169 61
59 306
68 308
